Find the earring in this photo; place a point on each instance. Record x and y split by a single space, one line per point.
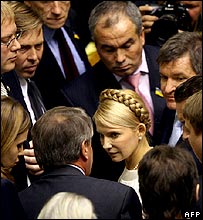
140 138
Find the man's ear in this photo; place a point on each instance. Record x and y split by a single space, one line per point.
85 149
142 37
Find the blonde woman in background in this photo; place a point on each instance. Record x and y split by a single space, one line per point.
67 205
15 123
122 120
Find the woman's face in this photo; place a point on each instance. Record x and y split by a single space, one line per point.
119 142
10 158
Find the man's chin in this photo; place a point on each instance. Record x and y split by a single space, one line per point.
171 105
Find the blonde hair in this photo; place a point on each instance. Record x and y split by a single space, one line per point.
6 12
67 205
14 121
122 107
26 19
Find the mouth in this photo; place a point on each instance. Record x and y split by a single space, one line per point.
13 58
31 68
56 19
170 99
112 154
122 68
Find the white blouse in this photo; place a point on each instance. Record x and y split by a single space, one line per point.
130 178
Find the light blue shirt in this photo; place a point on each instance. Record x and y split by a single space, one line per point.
176 132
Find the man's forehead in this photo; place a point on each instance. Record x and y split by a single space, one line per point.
8 27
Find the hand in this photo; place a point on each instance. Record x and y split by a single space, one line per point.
31 162
147 20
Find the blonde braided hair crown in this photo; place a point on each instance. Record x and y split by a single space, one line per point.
128 100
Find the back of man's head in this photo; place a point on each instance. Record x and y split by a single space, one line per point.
168 180
58 136
188 88
193 111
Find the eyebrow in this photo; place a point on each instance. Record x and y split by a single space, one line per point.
130 40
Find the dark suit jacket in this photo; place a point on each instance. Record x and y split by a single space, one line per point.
85 90
111 200
11 207
186 145
11 80
166 126
49 78
19 171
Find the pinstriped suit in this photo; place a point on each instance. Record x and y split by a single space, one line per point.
49 77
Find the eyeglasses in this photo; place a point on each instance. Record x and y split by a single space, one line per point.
16 36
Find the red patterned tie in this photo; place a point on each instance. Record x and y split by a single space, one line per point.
67 59
134 81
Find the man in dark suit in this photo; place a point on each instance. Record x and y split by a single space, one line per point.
182 93
19 80
9 41
119 39
28 58
179 59
53 72
192 114
63 147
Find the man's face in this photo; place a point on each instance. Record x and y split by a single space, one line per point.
119 46
194 139
194 9
30 53
54 13
172 75
179 109
8 54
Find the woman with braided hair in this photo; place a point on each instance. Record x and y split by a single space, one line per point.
122 120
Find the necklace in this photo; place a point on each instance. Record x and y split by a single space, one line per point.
135 168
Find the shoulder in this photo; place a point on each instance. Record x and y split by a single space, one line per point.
6 184
9 76
112 186
151 52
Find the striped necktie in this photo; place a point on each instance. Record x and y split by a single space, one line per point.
67 59
134 81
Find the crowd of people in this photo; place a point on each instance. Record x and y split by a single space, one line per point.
117 139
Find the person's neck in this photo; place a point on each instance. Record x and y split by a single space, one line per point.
143 147
79 165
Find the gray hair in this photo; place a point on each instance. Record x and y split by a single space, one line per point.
114 11
58 135
67 205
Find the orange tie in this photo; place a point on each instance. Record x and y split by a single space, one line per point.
134 81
